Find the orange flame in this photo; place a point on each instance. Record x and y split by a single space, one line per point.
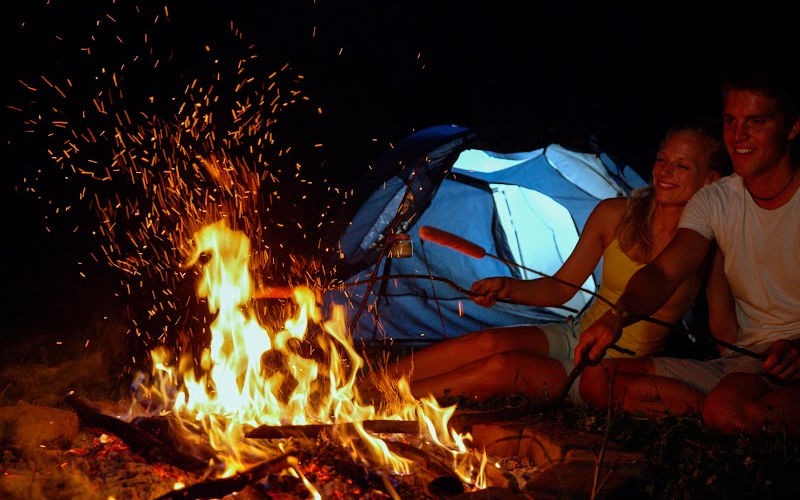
236 391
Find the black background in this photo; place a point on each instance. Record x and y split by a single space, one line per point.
519 72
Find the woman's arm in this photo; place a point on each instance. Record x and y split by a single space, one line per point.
599 231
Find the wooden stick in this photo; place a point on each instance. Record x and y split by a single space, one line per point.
138 440
466 247
459 289
218 488
313 430
463 420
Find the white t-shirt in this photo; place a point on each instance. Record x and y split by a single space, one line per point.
762 257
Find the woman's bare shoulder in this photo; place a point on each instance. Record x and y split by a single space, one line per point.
611 209
605 219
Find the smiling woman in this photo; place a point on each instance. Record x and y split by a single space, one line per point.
626 233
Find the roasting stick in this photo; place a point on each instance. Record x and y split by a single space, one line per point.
466 292
466 247
285 292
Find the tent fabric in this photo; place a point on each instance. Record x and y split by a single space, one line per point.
525 207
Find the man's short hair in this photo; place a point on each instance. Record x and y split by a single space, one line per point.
774 81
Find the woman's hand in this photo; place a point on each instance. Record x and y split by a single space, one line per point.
488 290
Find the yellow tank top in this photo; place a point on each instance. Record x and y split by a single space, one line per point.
642 337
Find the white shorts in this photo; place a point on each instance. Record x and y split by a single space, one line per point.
704 375
562 338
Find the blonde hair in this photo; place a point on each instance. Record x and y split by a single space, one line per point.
635 233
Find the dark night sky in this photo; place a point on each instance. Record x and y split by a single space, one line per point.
381 69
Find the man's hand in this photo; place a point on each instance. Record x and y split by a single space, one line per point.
596 339
783 360
488 290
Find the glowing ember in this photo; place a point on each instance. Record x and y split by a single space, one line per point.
236 391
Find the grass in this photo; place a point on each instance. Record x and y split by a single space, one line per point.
687 459
691 461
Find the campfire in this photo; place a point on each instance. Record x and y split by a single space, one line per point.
258 402
187 181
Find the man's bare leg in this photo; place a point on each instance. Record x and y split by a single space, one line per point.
636 389
745 402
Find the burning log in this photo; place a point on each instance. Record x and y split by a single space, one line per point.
314 430
218 488
138 440
439 479
163 428
443 481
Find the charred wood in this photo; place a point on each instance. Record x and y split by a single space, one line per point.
313 430
164 429
218 488
138 440
439 478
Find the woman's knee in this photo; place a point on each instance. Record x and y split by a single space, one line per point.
499 340
498 365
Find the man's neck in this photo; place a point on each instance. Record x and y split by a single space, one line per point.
776 186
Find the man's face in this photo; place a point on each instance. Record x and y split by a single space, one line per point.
755 132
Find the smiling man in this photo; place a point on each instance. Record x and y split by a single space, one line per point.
754 217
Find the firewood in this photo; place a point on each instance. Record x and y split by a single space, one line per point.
138 440
313 430
463 420
218 488
439 479
163 428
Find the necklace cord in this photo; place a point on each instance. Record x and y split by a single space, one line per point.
770 198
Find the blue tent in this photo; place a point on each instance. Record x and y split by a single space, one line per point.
526 207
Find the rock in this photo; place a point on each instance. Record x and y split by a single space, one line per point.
501 439
28 427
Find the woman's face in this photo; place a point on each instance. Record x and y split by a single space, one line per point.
681 168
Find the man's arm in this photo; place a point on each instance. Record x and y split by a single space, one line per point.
721 310
648 290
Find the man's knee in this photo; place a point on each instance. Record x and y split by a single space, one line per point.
729 417
735 405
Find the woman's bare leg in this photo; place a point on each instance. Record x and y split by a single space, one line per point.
494 375
448 355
